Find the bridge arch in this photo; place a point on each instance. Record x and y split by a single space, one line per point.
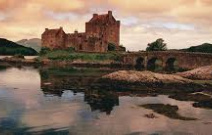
139 63
171 64
184 60
154 64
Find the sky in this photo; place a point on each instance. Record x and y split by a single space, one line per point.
181 23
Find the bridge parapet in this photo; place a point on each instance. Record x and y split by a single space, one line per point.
187 60
168 52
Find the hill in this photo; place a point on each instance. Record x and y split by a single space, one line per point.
10 48
204 48
34 43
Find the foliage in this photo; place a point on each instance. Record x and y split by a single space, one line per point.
44 50
111 47
158 45
10 48
71 55
71 49
122 49
204 48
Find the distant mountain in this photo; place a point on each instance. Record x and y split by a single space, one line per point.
11 48
34 43
204 48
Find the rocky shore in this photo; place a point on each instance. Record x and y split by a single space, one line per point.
149 81
145 77
81 63
202 73
61 63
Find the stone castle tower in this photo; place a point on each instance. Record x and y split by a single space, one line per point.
100 31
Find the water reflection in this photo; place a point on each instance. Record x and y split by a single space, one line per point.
56 82
61 101
103 101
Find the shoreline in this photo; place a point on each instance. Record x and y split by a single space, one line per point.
64 63
194 74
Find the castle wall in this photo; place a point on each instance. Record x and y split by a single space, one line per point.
76 40
100 30
112 33
53 40
108 30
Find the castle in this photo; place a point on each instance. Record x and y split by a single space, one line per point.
100 32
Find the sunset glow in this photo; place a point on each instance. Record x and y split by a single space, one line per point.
181 23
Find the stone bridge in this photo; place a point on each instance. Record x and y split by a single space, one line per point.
167 59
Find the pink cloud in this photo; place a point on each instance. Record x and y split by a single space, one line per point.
28 18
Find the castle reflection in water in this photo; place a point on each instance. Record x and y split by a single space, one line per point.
56 82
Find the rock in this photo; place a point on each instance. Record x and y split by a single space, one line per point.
48 83
14 58
150 116
168 110
148 82
207 122
18 56
202 73
204 104
145 77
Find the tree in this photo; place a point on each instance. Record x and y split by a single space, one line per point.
158 45
111 47
44 50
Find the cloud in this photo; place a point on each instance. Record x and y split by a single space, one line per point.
141 20
146 6
61 6
6 5
51 116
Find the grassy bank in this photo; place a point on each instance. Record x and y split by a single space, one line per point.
70 55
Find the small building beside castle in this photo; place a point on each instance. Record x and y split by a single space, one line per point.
100 32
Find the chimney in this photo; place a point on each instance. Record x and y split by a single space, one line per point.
110 13
119 23
95 15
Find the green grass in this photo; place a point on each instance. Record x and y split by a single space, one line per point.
71 55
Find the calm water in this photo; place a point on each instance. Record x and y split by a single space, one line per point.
60 101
